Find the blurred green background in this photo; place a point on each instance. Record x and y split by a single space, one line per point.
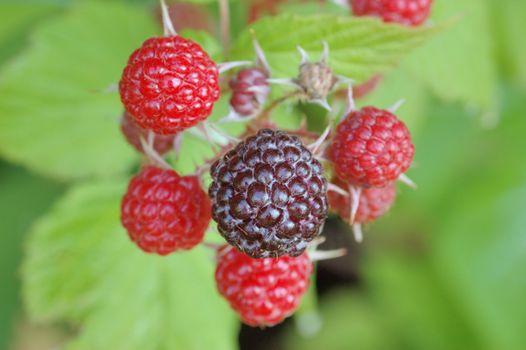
446 269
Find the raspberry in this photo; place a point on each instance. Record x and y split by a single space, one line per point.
263 291
371 147
169 84
164 212
133 132
269 195
374 202
407 12
244 101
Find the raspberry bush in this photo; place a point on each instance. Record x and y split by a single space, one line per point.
245 196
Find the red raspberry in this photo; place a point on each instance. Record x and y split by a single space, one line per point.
133 132
243 101
164 212
407 12
269 195
169 84
263 291
374 202
371 147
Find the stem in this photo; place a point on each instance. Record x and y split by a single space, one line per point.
308 319
224 13
168 26
266 112
304 134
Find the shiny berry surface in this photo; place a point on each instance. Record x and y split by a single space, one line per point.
169 84
133 133
371 148
244 101
164 212
407 12
269 195
262 291
374 202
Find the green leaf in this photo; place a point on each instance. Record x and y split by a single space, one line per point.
419 310
482 252
360 47
510 26
207 41
53 117
396 86
349 320
81 267
16 186
17 20
459 63
447 267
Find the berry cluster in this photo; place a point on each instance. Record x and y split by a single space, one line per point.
268 193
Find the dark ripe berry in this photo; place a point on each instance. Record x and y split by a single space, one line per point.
371 147
407 12
374 202
244 101
133 133
316 80
262 291
269 195
164 212
169 84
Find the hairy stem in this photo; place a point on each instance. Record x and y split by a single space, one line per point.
224 13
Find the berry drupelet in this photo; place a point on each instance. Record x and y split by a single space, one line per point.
373 203
406 12
269 195
164 212
169 84
262 291
371 148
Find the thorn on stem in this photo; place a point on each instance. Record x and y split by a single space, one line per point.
351 106
355 193
151 153
226 66
304 55
396 106
403 178
357 231
168 26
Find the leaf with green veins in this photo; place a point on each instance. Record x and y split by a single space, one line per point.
53 117
459 63
359 47
81 267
